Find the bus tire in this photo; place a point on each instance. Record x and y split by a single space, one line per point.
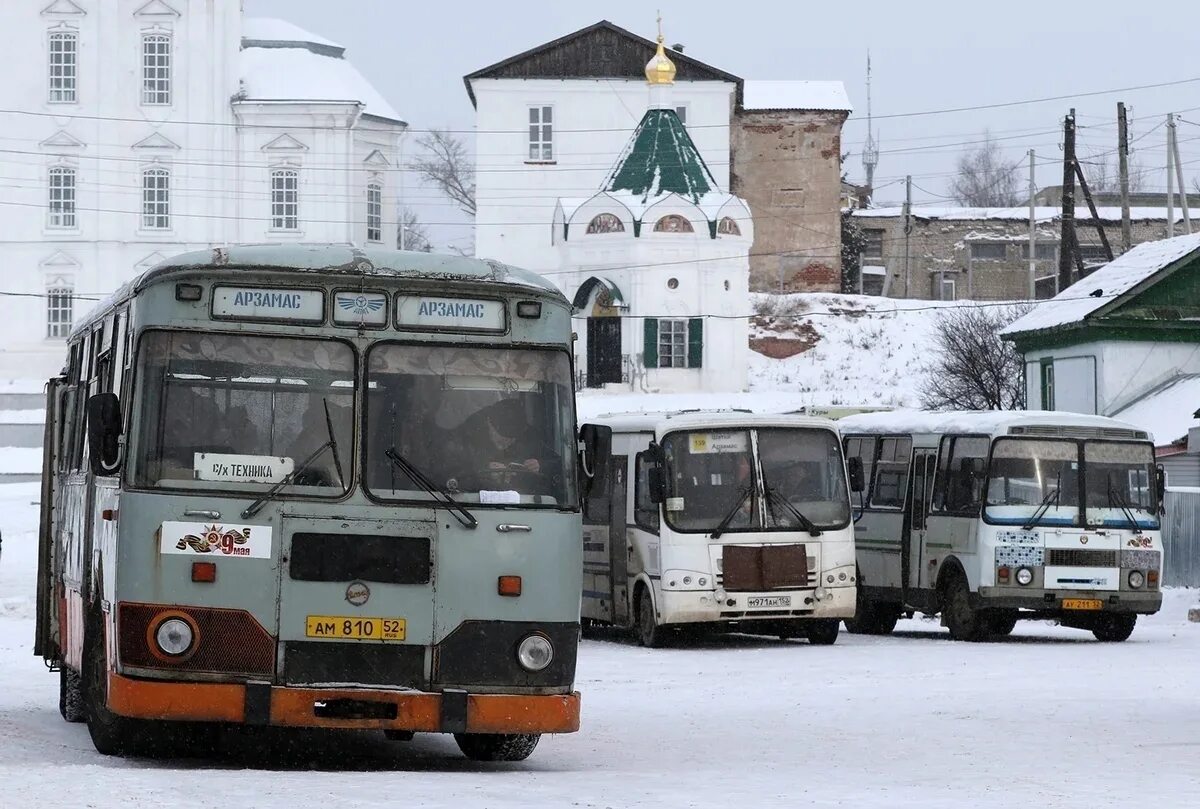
874 619
112 735
497 746
964 621
823 631
70 695
1001 623
1114 627
649 633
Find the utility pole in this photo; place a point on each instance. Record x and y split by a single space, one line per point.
1091 203
1170 175
907 231
1066 249
1032 231
1123 165
1183 197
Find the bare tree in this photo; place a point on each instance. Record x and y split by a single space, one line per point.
1104 177
973 369
411 234
985 179
447 166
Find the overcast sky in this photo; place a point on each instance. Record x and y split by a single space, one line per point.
925 55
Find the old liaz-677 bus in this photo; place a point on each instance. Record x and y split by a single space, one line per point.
719 519
316 487
992 517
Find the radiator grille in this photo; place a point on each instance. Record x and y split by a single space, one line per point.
1080 557
228 642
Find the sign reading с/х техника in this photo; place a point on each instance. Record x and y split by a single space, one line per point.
253 303
460 314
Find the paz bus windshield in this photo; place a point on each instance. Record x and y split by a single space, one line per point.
241 412
711 474
1049 479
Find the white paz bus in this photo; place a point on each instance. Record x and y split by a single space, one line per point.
719 519
990 517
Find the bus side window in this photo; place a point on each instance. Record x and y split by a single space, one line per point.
960 474
891 473
645 512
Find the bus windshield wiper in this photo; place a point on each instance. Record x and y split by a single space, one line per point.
728 518
1051 498
1115 494
337 460
464 517
303 466
774 494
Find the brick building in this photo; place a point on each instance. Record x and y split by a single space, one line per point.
983 253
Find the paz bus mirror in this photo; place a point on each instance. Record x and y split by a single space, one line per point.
104 433
595 450
854 466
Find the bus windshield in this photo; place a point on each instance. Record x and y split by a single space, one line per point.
241 412
1120 484
1041 478
488 425
711 475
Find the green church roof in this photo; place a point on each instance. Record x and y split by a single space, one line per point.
660 159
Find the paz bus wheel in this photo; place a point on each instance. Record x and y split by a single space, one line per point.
497 746
1002 622
649 633
70 695
1114 627
964 621
823 631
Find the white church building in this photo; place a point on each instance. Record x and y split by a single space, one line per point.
656 257
138 129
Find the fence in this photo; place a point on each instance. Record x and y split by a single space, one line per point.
1181 538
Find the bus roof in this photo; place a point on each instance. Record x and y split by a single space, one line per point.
990 422
662 422
332 259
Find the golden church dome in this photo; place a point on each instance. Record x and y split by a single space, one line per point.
660 69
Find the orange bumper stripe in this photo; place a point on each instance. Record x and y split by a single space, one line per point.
294 707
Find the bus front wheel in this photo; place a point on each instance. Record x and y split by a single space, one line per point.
70 695
823 631
497 746
1114 627
649 633
964 621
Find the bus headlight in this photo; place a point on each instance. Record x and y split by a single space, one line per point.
1136 579
1024 577
174 637
535 653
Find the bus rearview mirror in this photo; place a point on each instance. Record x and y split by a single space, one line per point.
854 466
595 448
656 484
104 433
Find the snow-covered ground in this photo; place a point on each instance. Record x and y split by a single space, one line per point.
1049 718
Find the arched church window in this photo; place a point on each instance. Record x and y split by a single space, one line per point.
728 226
673 223
606 223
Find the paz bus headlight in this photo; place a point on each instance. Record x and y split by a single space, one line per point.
1136 579
535 653
174 637
1024 577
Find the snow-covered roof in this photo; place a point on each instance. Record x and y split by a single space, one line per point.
1100 288
272 29
1042 213
1167 411
662 422
795 95
989 422
275 69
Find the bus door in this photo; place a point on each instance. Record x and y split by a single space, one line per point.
618 541
604 559
916 519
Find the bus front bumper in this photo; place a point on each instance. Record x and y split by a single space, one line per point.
677 607
1050 602
358 708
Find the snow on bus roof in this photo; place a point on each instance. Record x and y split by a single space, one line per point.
991 422
642 421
